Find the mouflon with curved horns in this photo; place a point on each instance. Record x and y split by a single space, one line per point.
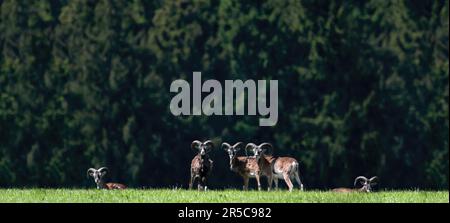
247 167
201 165
99 178
281 167
365 183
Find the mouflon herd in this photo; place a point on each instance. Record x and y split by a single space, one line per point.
261 164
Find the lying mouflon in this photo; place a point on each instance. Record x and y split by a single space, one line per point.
99 175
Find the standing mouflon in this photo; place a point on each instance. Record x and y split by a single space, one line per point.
201 165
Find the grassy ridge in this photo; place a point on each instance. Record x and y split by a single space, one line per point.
174 196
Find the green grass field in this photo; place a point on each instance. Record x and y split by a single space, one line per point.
174 196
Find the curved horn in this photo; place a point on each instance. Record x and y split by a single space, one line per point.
226 145
103 169
266 144
237 145
249 146
360 178
90 170
373 180
195 144
209 143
